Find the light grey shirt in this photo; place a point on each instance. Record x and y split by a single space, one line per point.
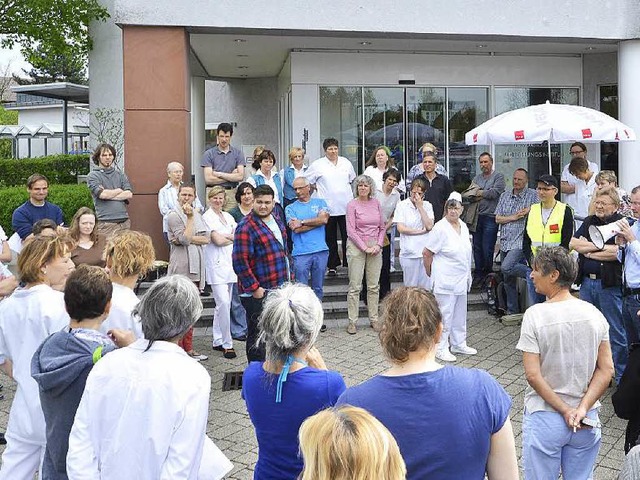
567 336
492 187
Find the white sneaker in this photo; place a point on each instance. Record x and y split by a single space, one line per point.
464 349
445 356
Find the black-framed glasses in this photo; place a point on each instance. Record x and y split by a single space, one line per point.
576 152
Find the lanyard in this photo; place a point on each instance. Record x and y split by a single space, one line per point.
284 373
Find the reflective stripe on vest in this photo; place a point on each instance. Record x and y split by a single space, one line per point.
541 234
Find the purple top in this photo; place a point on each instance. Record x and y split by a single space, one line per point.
365 223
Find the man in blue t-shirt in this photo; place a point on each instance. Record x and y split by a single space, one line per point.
307 218
36 208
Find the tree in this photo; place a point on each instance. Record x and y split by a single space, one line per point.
7 117
52 67
50 31
107 126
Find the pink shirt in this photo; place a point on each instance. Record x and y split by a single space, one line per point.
365 223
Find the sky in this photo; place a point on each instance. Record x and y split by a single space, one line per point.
14 58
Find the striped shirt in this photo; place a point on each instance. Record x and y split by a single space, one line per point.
508 204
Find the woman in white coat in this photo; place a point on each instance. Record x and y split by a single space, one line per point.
447 259
27 318
219 269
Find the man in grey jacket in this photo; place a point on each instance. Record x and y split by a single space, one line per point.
111 191
491 185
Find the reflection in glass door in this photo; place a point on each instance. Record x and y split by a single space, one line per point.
384 123
425 123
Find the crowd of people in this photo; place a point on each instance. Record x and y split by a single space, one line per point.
107 385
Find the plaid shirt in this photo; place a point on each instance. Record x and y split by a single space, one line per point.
259 259
509 203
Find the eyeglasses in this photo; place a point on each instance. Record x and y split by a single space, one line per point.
545 189
576 152
603 204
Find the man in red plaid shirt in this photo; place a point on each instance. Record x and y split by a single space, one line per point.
260 261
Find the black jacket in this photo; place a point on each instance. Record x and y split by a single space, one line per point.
626 399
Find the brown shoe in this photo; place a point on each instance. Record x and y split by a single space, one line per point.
351 329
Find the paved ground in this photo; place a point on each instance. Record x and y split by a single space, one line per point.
357 358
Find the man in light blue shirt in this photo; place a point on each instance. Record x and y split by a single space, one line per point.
629 255
307 218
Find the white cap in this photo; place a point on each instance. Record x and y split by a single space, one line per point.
455 196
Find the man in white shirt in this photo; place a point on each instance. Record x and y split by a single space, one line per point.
331 176
414 219
567 180
584 188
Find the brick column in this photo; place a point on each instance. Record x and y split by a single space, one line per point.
157 104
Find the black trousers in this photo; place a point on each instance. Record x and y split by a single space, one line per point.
331 237
253 307
385 273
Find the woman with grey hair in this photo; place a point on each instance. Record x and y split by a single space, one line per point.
366 232
561 429
144 410
292 384
447 260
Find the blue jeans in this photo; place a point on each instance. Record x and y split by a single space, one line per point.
484 243
534 297
311 267
630 308
238 315
512 266
609 302
548 445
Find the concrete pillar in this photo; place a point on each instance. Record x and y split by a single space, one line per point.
629 110
157 118
197 135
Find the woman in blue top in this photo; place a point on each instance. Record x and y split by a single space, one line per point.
449 422
292 384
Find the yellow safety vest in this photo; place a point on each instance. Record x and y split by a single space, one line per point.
549 234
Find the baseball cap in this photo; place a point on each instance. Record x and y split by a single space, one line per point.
548 180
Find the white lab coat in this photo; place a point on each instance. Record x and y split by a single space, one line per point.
123 301
143 415
451 267
27 318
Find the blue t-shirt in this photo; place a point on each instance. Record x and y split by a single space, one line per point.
306 392
442 420
27 214
312 241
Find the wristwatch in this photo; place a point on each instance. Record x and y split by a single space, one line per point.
302 222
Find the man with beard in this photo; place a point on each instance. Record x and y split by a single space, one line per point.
260 261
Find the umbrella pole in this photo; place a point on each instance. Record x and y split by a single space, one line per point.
549 152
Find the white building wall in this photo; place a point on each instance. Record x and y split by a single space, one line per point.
251 104
543 18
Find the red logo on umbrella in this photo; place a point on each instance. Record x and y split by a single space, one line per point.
519 134
586 133
475 138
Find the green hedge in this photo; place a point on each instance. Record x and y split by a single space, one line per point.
68 197
59 169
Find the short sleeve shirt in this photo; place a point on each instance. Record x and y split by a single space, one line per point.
411 246
312 241
223 162
567 336
333 182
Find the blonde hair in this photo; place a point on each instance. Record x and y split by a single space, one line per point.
610 192
37 253
348 443
607 176
130 253
293 151
213 191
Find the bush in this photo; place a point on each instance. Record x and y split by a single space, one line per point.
59 169
68 197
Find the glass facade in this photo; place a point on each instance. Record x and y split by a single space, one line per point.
609 104
404 118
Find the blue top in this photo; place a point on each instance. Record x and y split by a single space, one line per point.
312 241
631 266
27 214
442 420
306 392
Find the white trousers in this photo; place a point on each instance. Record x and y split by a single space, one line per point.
21 460
222 315
454 320
414 274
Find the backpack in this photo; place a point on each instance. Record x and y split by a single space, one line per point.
493 294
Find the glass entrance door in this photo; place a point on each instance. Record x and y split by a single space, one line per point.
384 123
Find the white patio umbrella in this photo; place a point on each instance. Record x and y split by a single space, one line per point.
552 123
